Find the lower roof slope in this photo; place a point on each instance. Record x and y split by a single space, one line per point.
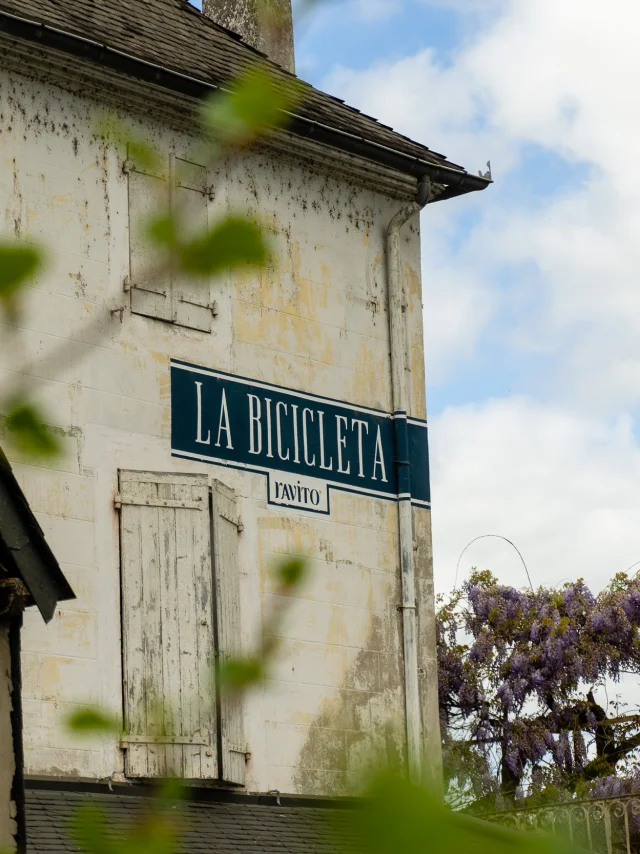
204 828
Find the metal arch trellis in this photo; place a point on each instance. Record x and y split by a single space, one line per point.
499 537
511 543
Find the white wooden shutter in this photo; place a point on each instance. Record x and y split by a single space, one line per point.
191 296
149 282
225 547
167 626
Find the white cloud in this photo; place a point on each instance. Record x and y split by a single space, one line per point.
458 299
562 487
456 312
553 276
561 76
424 99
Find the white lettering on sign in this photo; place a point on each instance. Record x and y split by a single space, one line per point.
224 423
304 444
290 490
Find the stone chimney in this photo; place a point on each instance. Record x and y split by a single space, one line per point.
266 25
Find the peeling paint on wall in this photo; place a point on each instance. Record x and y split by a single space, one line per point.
317 321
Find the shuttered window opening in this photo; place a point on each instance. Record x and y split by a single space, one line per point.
155 292
180 607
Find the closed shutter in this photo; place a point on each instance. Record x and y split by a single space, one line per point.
155 292
225 543
167 626
191 296
149 281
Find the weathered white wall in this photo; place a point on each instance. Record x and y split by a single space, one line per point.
7 758
318 324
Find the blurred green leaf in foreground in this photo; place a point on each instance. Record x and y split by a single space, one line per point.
238 673
94 721
27 431
257 102
234 242
18 262
153 832
398 817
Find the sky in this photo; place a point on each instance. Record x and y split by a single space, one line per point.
531 293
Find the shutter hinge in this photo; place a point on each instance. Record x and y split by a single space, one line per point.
238 748
240 525
210 192
160 502
213 307
126 284
128 166
197 740
117 501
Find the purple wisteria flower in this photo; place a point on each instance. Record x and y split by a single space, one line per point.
517 676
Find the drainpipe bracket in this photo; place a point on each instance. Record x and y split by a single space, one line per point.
423 196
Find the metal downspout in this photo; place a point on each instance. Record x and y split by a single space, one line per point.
398 307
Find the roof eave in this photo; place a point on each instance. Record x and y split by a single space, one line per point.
25 544
456 181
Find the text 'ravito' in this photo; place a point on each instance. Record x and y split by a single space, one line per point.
305 444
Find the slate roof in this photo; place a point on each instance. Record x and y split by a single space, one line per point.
24 552
173 34
224 828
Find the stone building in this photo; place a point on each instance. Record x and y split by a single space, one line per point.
210 432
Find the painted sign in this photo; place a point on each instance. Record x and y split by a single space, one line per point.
306 445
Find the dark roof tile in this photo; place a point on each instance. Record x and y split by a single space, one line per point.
205 828
175 35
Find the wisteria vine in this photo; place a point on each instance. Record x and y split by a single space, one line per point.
517 674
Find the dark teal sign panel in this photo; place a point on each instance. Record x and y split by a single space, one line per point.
305 444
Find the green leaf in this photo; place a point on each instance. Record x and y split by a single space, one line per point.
398 816
28 431
92 721
91 832
142 154
259 99
171 791
17 263
257 103
291 572
233 243
156 833
238 673
163 229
